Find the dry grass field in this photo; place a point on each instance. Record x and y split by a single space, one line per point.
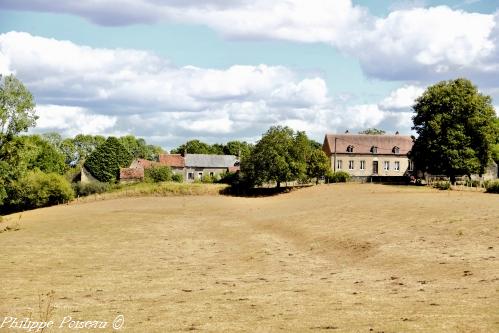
331 258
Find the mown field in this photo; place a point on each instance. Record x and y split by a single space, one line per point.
332 258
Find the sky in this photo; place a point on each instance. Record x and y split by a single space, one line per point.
218 70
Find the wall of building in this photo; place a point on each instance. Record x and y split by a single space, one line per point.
86 176
203 171
369 159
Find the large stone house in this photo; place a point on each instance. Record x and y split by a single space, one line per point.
364 156
191 166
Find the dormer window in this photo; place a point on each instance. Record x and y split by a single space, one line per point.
350 149
374 149
396 150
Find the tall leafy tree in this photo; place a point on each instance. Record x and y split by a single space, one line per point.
237 148
44 155
279 156
196 147
139 148
17 108
17 115
105 161
455 124
318 165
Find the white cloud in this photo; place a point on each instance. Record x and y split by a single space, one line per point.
123 80
70 120
419 43
402 98
410 43
115 92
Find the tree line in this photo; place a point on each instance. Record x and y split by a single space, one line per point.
457 128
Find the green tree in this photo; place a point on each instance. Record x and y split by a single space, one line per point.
456 129
279 156
139 148
44 156
373 131
105 161
17 108
86 145
17 115
318 165
237 148
195 147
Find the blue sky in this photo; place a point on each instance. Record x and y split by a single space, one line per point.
223 70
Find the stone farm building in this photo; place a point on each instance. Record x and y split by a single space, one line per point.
191 166
364 156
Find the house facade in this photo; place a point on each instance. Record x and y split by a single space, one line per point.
192 167
365 155
199 165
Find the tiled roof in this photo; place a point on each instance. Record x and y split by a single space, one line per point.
210 161
146 164
363 143
172 160
132 173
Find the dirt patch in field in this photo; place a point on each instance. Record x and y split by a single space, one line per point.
339 258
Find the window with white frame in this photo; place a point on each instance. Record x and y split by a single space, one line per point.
411 165
212 174
362 165
386 165
339 164
190 176
350 165
200 175
397 166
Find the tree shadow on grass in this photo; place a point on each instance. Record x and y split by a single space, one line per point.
258 192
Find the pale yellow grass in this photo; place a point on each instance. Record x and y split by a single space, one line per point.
143 189
334 258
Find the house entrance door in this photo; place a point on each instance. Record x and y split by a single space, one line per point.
375 167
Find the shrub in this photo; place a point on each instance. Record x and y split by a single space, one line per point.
159 174
229 178
338 177
210 179
38 189
442 185
492 186
207 179
84 189
471 182
177 178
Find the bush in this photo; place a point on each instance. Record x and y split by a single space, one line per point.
338 177
38 189
492 186
84 189
210 179
442 185
159 174
229 178
177 178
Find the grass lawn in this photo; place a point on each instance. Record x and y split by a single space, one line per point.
333 258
